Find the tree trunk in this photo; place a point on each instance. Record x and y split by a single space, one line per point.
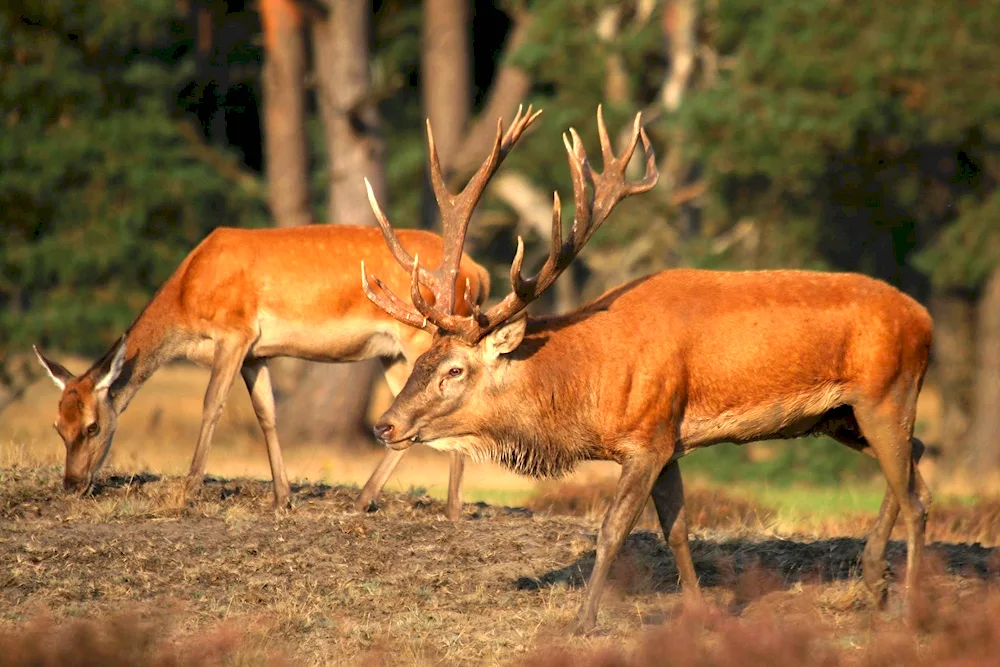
445 85
954 343
510 86
285 143
984 434
348 111
17 373
330 401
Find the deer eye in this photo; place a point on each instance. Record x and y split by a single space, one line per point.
93 430
454 372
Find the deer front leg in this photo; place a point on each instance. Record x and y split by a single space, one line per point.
638 475
396 372
228 359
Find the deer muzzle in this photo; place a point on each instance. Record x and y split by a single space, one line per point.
387 433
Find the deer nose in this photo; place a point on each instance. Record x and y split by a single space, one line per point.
74 484
382 430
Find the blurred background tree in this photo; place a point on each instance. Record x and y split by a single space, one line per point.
794 133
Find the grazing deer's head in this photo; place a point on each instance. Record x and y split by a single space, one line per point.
468 362
87 416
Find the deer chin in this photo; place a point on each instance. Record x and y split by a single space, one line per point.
402 444
463 444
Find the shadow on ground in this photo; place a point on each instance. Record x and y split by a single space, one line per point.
645 557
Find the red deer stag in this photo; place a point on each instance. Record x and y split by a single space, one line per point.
662 366
237 299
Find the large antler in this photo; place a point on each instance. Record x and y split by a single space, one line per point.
456 212
609 186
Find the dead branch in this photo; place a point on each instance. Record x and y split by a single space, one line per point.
510 87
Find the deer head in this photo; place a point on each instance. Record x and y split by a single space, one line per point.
87 416
469 362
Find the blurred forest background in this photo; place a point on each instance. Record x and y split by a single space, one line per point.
861 136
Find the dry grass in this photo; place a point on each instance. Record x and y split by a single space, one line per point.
713 510
707 508
128 640
955 624
320 585
952 626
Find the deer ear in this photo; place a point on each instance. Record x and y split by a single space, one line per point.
505 339
112 367
56 372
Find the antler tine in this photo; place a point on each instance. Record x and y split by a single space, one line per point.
475 312
395 247
609 188
441 193
391 303
607 150
652 175
581 175
426 310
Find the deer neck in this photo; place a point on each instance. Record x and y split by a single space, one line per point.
147 348
540 422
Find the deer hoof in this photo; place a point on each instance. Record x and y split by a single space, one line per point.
583 625
365 506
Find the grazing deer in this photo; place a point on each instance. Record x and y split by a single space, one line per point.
239 298
662 366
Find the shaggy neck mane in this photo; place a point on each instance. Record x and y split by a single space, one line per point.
539 424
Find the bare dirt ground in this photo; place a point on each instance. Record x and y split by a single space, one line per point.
321 585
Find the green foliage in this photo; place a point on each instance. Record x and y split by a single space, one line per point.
813 461
860 136
968 250
104 183
855 127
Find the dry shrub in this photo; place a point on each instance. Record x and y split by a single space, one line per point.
706 508
124 640
951 626
965 523
959 524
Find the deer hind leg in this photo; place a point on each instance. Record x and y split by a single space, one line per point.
873 561
668 496
882 427
388 465
845 429
257 377
396 372
228 359
456 469
634 486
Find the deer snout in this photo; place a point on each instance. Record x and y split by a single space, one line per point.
78 485
392 437
383 431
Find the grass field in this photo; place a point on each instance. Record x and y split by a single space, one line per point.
134 575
